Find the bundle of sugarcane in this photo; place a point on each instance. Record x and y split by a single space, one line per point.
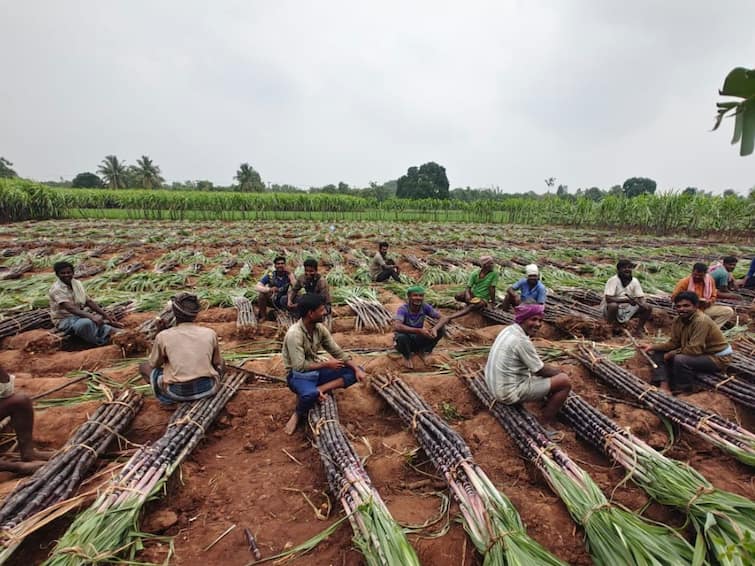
743 392
337 277
97 252
370 313
743 364
724 520
614 535
131 268
415 262
10 252
23 511
245 319
16 271
285 319
557 303
165 319
122 258
87 270
490 519
377 535
166 265
106 530
586 296
713 428
228 263
661 302
23 321
499 316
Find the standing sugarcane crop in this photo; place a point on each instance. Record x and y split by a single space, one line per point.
376 533
710 426
723 520
489 518
614 535
108 529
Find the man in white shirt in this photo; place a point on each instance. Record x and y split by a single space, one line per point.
623 299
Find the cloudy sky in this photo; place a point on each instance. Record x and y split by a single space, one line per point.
502 93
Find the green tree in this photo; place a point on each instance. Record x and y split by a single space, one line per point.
730 193
594 193
87 180
249 180
147 174
690 191
427 181
562 191
636 186
740 83
5 168
113 172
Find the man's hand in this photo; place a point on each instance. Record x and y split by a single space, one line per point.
427 333
433 332
97 319
668 356
114 323
631 301
321 396
291 305
273 290
647 348
333 364
360 373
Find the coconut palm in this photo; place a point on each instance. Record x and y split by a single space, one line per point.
249 179
147 173
113 172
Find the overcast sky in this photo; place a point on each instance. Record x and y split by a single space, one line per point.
502 93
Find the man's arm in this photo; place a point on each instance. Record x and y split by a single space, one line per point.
491 293
76 311
680 286
293 290
399 326
548 371
324 289
157 356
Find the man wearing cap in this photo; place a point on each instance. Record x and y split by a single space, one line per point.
481 286
696 346
530 288
515 373
411 337
185 362
309 376
624 299
702 284
73 312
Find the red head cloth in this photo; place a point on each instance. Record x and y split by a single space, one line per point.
523 312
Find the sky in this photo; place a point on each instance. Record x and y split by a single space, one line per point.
502 94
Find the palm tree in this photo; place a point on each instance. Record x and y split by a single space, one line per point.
147 173
249 179
113 172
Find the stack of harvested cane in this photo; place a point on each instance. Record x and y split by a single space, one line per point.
725 521
84 270
245 320
165 319
376 533
490 519
106 529
743 392
62 474
614 535
558 305
370 313
713 428
16 272
23 321
743 364
499 316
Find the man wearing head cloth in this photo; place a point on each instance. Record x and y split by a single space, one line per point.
411 337
481 286
515 373
530 288
185 362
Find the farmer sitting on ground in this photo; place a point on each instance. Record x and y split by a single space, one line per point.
722 274
74 312
702 284
311 282
18 407
185 361
530 288
624 299
411 336
515 373
307 375
481 286
273 288
382 267
696 346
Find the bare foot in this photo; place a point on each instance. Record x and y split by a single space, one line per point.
424 356
665 387
24 468
291 425
37 455
408 363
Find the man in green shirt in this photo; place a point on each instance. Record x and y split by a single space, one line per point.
481 286
721 272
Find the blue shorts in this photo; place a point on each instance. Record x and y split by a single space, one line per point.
193 390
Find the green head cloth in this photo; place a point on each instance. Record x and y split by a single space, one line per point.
415 289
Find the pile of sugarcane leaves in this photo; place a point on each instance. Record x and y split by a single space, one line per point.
490 519
107 528
27 508
376 533
710 426
724 521
614 535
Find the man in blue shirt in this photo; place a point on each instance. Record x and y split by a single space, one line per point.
749 281
531 289
273 288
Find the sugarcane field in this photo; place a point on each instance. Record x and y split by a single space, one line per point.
408 456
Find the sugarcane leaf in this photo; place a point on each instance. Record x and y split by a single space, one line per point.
738 122
739 82
748 128
698 557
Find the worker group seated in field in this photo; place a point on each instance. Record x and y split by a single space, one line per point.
309 376
696 346
19 410
273 288
530 289
410 335
723 277
382 267
310 282
702 284
74 313
480 290
624 299
514 372
185 362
